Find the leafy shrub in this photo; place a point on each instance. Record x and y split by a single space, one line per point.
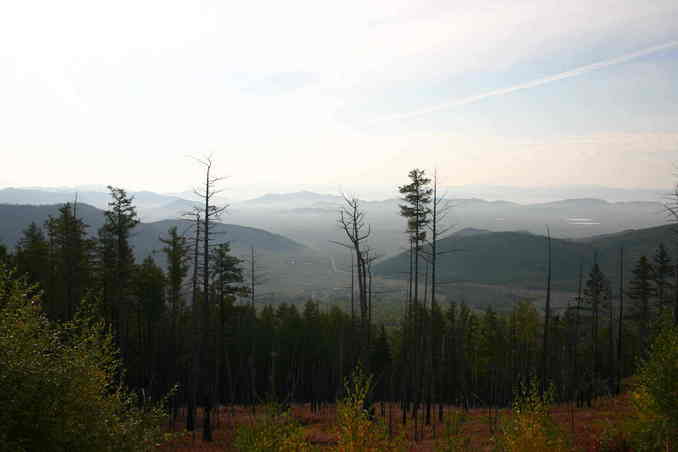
612 438
357 431
530 427
274 431
655 427
453 439
58 389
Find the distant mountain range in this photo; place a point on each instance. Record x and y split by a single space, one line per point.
497 243
518 259
95 198
301 197
145 238
310 218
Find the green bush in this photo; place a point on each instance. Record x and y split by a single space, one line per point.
655 427
530 427
453 438
274 431
357 431
58 388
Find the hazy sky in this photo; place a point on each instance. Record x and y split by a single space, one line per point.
339 93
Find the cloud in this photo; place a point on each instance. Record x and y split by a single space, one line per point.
534 83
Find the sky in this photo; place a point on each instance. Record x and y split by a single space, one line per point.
338 94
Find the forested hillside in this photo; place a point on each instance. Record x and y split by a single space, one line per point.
146 237
518 259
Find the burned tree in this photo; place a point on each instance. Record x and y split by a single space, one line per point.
206 217
352 222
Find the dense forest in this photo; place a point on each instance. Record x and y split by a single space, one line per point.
192 334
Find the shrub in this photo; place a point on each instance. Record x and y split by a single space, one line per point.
357 431
655 399
58 389
275 430
531 427
453 439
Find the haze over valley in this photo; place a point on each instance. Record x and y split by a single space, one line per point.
295 236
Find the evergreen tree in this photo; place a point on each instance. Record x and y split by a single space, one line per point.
596 295
640 292
227 280
4 255
176 252
381 364
70 262
416 210
662 275
32 256
148 287
116 263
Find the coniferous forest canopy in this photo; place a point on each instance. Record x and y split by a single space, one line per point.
184 332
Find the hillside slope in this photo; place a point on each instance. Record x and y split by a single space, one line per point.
145 237
519 258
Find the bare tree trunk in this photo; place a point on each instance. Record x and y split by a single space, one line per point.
576 379
195 347
547 317
207 425
620 332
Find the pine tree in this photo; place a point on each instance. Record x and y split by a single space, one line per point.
416 210
640 292
148 287
176 251
32 256
70 262
596 295
662 275
227 282
4 255
116 263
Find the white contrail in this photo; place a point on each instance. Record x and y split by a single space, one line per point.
531 84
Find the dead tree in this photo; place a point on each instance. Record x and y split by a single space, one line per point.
352 222
210 215
547 316
436 227
195 344
620 356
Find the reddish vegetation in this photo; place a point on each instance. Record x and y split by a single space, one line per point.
584 425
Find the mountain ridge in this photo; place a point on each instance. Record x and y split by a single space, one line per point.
146 232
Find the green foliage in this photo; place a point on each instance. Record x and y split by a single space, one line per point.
655 427
531 427
57 382
417 196
640 291
453 439
70 263
32 255
357 431
612 438
662 274
274 431
4 255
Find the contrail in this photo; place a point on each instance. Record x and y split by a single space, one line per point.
531 84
